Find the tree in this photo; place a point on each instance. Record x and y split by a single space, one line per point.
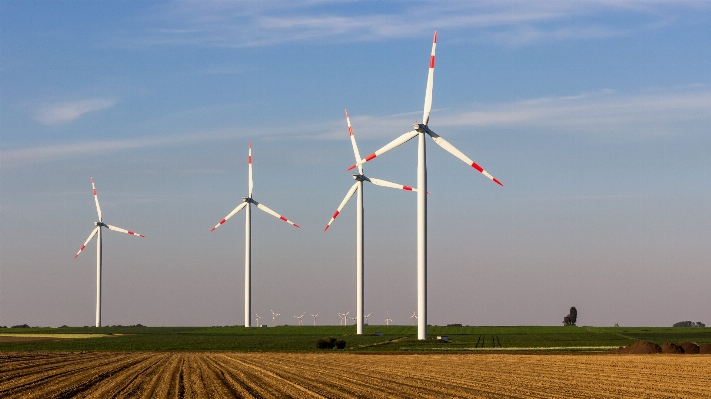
571 318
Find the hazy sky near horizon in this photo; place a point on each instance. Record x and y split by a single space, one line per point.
596 116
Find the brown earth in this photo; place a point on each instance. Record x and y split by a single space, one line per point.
307 375
6 338
640 348
690 348
672 348
705 349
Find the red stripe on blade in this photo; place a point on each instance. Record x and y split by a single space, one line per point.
222 221
352 167
435 38
82 248
327 226
371 156
432 61
408 188
282 218
477 167
350 130
94 191
250 159
131 233
498 182
335 215
297 226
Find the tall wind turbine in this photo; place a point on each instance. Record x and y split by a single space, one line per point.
97 231
387 318
358 186
257 314
314 316
274 316
421 129
414 317
246 203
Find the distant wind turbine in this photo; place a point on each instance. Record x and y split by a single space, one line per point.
274 316
257 314
97 232
358 186
246 204
387 318
420 130
366 318
301 323
314 316
414 318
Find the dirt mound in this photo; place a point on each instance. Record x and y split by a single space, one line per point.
705 349
690 348
640 348
669 347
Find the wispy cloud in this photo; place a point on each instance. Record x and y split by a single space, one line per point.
514 22
677 111
64 112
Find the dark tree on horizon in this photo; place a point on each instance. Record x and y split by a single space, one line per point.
571 318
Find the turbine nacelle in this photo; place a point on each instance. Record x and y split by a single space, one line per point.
248 200
360 177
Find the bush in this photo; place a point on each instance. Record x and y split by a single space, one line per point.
340 344
21 326
326 343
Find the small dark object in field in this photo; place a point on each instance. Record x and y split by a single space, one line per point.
690 348
705 349
340 344
21 326
640 348
326 343
669 347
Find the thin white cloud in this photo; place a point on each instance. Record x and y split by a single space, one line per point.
249 24
64 112
684 110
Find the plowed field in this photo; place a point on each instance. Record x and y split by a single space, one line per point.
255 375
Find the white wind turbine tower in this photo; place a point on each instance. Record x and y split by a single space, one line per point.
314 316
414 317
387 318
422 129
358 186
274 316
97 231
301 323
246 203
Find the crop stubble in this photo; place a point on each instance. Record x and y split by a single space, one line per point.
306 375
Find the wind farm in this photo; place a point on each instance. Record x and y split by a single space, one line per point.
588 256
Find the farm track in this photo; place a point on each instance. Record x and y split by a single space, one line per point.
331 375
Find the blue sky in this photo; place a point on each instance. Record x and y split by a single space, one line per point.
595 115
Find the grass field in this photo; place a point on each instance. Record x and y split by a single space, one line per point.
303 338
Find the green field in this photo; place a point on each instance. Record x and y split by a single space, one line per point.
303 338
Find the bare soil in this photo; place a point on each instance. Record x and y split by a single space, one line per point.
330 375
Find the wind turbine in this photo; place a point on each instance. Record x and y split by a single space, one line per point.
314 316
366 318
420 130
274 316
246 203
387 319
340 323
301 323
257 319
414 317
358 186
97 231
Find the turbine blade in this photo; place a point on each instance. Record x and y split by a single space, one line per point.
251 184
454 151
96 199
276 215
120 230
349 194
355 147
398 141
93 233
379 182
430 83
234 211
